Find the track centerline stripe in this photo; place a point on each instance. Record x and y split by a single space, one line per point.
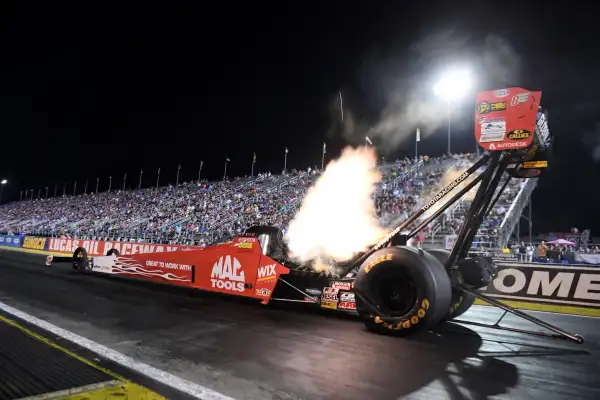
163 377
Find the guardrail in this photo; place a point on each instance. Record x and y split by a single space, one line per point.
547 287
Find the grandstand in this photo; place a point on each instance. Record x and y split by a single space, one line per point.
207 212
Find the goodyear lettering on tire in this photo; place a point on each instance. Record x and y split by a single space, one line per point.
376 261
407 322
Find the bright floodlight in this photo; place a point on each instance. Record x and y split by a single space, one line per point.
4 181
454 84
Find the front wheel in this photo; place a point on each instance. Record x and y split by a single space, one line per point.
406 284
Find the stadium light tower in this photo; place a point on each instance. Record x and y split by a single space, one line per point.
452 87
2 183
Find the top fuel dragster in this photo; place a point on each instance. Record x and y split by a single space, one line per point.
394 288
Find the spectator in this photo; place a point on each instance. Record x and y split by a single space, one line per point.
203 212
529 252
522 252
542 250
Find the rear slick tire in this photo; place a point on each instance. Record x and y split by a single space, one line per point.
406 283
461 301
113 251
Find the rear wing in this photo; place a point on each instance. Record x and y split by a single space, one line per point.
506 119
512 120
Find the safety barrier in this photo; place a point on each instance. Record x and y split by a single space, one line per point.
571 289
11 240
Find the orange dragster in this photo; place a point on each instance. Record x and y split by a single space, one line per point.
237 268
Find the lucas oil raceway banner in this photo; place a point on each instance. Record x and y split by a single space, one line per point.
99 247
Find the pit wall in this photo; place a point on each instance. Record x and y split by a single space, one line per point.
568 289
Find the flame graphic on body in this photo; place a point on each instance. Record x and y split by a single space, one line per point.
124 265
337 218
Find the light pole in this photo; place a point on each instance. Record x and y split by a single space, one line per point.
225 170
451 87
2 183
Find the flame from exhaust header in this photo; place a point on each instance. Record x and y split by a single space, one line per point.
337 218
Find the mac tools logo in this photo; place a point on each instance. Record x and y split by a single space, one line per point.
227 274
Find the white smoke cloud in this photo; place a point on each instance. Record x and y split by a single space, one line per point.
337 218
410 101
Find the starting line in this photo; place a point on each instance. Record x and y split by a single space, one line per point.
163 377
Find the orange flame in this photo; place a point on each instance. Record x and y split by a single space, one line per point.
337 218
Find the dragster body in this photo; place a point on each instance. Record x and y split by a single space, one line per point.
238 267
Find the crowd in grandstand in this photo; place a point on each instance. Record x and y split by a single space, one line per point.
202 212
205 212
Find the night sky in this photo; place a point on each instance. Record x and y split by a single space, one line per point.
112 88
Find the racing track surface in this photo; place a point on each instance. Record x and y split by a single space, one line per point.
248 351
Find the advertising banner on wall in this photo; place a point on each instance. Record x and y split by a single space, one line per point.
101 247
34 243
552 284
11 240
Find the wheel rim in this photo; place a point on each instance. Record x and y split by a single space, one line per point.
398 294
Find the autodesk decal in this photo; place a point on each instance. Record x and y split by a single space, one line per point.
508 145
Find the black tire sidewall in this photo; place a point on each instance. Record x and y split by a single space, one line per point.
461 301
432 282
